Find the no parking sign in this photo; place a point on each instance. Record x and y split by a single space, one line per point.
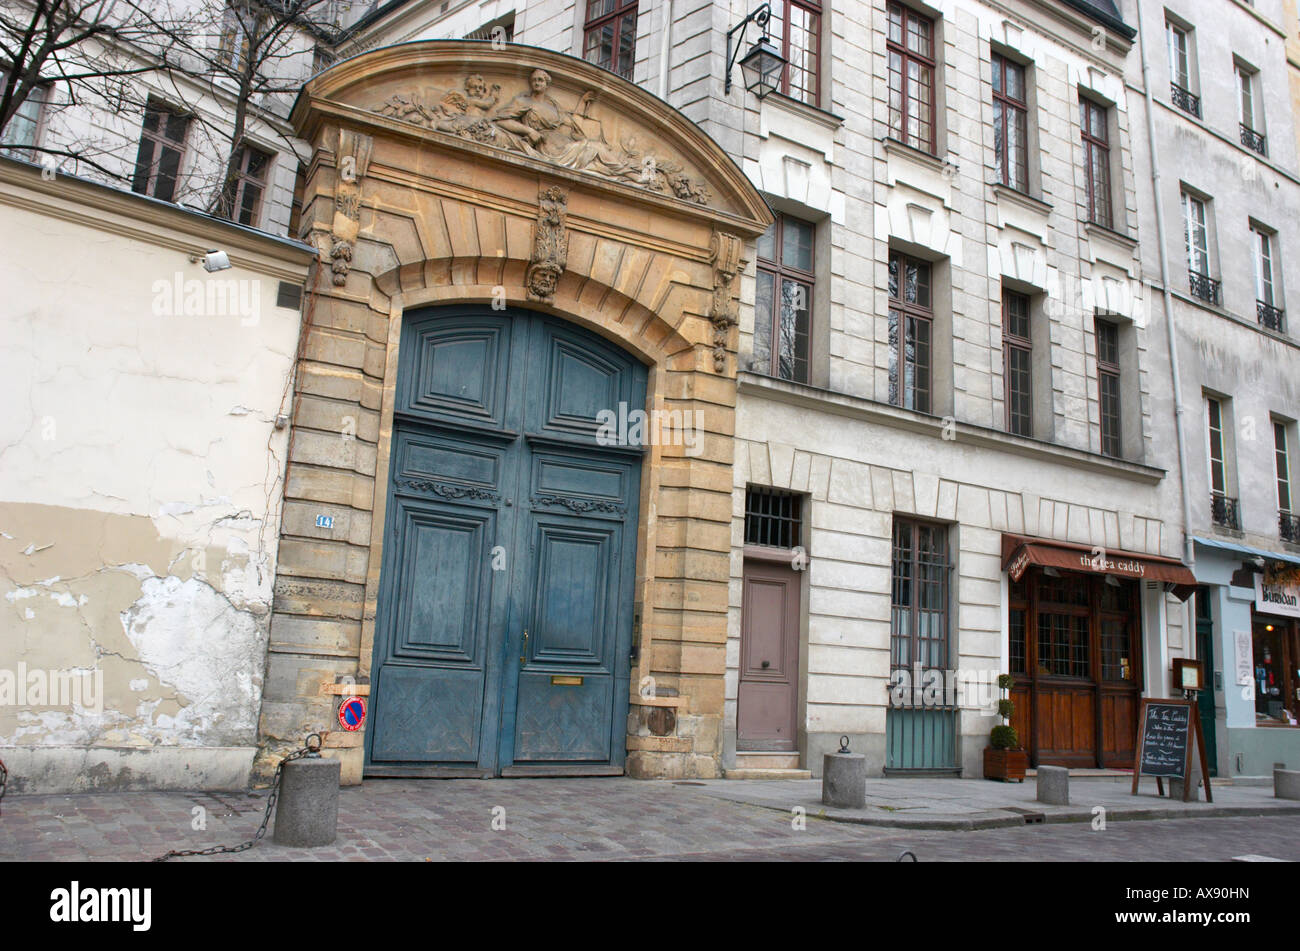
352 713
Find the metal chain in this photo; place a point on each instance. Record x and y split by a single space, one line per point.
307 750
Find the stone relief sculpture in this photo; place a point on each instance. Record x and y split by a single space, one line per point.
534 123
353 158
550 245
724 252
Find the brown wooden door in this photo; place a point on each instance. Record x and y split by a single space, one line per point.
769 657
1075 658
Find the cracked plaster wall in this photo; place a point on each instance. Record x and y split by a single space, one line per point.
140 490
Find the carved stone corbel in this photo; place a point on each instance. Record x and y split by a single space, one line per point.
724 252
353 157
550 245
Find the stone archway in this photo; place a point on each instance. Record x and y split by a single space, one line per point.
452 172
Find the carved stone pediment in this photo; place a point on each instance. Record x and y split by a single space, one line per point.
533 104
534 119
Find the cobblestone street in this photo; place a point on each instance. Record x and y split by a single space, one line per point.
590 820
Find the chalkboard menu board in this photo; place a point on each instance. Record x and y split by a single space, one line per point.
1164 739
1166 729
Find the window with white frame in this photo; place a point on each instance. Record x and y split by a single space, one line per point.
1196 233
1288 521
1249 108
1181 79
1263 242
1268 293
1196 239
23 131
1282 458
241 25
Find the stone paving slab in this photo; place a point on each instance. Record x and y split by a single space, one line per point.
619 819
979 804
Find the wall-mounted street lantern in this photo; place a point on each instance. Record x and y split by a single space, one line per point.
762 65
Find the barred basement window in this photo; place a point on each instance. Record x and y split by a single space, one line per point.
773 518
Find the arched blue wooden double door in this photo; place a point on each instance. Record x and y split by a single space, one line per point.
504 622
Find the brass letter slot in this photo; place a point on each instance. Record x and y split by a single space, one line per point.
565 680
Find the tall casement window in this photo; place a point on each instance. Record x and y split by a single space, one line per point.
1093 121
911 321
1010 123
158 159
919 615
23 130
1252 136
1108 389
1017 354
1196 238
1288 521
1268 301
241 22
1223 508
610 35
795 28
251 185
910 47
1179 41
1281 454
783 299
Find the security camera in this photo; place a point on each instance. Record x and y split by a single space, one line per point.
214 260
1257 561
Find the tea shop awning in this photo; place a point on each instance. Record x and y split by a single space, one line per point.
1021 551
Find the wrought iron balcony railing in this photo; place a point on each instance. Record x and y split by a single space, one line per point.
1225 511
1253 140
1288 527
1270 317
1185 100
1204 287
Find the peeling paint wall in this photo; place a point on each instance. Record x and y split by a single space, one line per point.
141 480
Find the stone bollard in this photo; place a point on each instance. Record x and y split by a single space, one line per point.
1177 787
1054 785
307 812
844 778
1286 783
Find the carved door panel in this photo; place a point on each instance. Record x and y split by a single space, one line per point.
505 515
576 553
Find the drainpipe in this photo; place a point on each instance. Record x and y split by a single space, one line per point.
1189 553
665 49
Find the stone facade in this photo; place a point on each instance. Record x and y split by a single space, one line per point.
418 201
1223 350
642 225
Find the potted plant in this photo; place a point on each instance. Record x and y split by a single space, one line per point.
1003 757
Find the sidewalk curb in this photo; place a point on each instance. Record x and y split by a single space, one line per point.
1001 819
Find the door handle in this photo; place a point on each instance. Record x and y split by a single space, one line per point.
523 651
767 664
